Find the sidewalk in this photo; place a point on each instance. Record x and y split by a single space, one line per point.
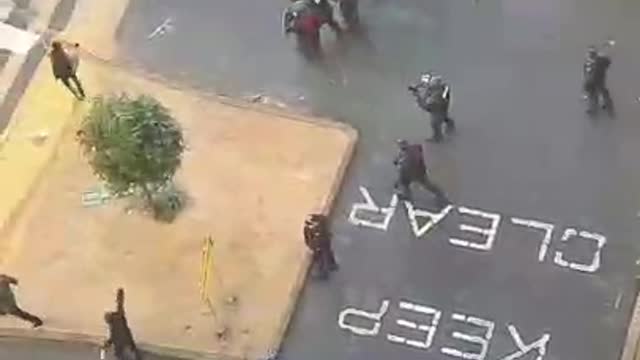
252 173
20 45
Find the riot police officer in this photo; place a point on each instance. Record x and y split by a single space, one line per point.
595 77
411 168
434 96
317 237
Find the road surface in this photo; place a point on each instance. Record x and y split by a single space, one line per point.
524 151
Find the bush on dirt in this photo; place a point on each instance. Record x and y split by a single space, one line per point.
134 145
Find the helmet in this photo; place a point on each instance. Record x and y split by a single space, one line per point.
437 80
425 77
402 143
313 219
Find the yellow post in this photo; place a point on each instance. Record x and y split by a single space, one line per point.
206 266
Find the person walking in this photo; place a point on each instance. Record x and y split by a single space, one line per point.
433 95
317 237
65 65
411 168
8 304
595 70
120 336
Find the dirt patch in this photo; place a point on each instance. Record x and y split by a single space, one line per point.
251 176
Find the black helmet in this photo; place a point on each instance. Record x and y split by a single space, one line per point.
402 143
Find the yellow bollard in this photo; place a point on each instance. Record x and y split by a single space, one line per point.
206 266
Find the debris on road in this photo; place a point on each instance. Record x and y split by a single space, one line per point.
162 29
256 98
97 196
263 99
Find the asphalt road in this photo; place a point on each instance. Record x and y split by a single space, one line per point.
524 150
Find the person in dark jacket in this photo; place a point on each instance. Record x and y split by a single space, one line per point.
595 70
65 66
120 336
433 95
8 304
411 168
350 12
303 19
317 237
326 9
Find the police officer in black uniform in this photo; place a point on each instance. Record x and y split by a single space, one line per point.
595 81
433 96
411 168
119 332
317 237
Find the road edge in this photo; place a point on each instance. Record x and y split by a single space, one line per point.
325 206
68 337
630 347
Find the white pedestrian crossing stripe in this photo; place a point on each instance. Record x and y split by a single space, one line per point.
16 40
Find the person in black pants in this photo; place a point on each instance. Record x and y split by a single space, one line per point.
317 237
119 333
411 168
8 304
64 66
595 81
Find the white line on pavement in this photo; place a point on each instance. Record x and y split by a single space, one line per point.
16 40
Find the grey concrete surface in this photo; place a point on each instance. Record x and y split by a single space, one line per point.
524 149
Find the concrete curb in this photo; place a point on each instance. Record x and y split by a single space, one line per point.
68 337
327 207
59 335
630 349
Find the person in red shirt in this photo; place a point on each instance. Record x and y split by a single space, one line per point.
304 19
308 30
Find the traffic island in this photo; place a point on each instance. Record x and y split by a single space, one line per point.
221 281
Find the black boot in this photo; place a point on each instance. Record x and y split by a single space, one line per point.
450 124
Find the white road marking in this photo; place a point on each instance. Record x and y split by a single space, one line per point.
162 29
618 300
548 230
595 262
489 233
482 341
375 317
430 329
540 344
370 206
16 40
433 218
